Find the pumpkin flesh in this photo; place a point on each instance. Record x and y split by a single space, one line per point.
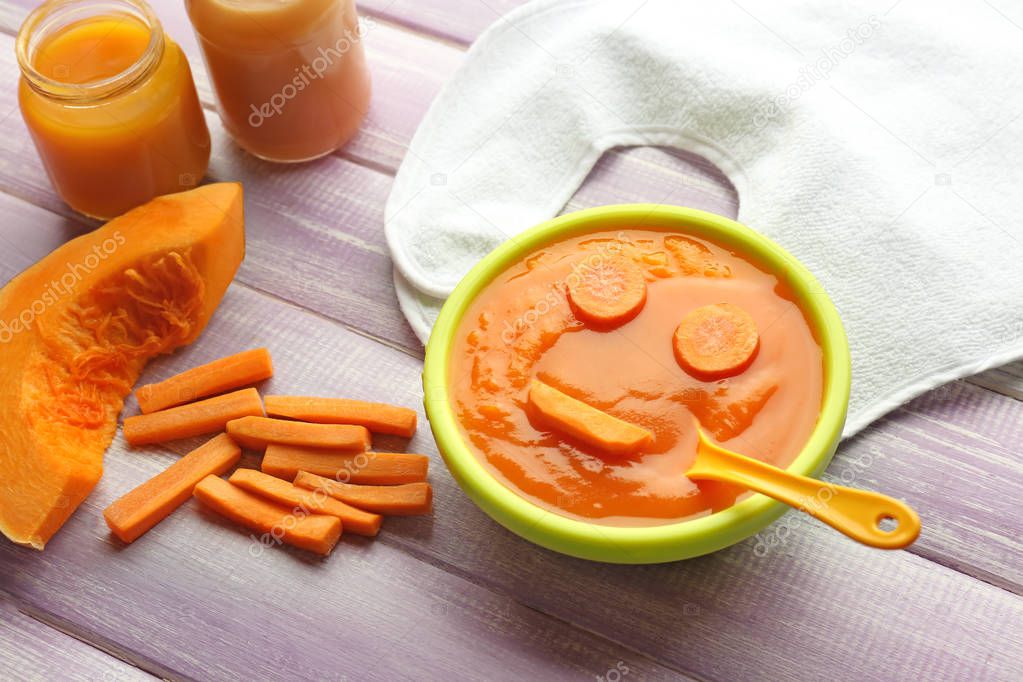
78 329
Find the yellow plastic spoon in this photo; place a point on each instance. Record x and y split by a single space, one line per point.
857 513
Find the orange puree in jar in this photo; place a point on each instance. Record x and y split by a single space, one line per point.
290 75
110 104
92 50
521 327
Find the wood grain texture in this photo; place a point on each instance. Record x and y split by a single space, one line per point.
32 650
953 453
1007 380
461 21
753 611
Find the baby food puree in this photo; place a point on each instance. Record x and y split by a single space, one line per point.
524 327
290 75
110 103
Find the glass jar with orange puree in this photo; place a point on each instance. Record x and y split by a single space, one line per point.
110 103
290 75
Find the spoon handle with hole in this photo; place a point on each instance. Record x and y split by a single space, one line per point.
856 513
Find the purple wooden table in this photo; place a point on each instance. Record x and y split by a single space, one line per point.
454 595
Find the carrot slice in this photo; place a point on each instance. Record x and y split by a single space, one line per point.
410 499
590 425
371 468
377 417
255 433
274 489
133 514
314 532
193 419
716 341
609 292
219 376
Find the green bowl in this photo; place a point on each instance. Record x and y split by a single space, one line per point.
650 544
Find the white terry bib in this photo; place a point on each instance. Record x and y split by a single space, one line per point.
881 145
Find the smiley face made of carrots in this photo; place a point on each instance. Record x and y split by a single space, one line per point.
712 342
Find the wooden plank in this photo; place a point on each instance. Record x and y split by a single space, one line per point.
31 650
741 613
660 176
1007 380
455 20
947 452
197 599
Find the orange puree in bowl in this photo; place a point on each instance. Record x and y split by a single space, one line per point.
522 327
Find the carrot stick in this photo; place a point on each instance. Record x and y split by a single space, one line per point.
131 515
255 433
377 417
371 468
716 341
314 532
410 499
588 424
193 419
281 492
213 378
607 293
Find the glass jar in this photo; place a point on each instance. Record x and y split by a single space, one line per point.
110 103
290 75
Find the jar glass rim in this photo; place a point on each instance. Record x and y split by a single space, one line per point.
55 15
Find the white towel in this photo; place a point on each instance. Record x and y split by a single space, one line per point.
881 143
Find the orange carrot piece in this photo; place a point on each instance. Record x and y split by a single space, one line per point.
193 419
304 501
219 376
133 514
255 433
586 423
607 293
314 532
716 341
371 468
377 417
411 499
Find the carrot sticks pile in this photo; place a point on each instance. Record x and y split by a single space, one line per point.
318 477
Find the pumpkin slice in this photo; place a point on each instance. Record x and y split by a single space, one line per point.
76 330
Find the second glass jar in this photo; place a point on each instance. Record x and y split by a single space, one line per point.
290 75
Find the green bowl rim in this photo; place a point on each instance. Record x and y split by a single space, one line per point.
644 544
